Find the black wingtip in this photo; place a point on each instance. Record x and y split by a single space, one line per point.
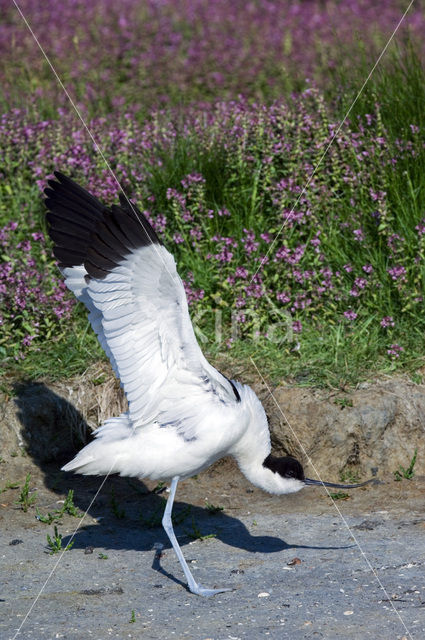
62 179
123 200
85 231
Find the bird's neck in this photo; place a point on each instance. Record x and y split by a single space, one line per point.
265 479
254 446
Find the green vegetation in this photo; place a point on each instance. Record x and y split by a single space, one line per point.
10 485
154 518
321 280
343 402
55 543
116 510
26 500
196 534
159 488
409 472
56 515
350 477
212 509
340 495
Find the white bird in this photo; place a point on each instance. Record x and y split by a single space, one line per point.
183 414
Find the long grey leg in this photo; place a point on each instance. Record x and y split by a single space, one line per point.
168 526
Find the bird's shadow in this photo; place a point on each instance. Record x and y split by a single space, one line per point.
128 521
128 515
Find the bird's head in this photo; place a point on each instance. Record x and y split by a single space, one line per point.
290 476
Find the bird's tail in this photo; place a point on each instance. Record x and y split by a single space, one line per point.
106 453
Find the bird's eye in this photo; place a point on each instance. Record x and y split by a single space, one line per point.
290 474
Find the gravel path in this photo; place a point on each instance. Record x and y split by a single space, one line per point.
329 592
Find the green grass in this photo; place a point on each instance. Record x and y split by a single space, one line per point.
56 515
328 352
26 500
55 543
67 354
408 473
329 356
397 85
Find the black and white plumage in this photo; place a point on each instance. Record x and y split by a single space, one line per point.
183 414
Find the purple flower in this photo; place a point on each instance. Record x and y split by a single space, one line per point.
297 326
350 314
420 228
249 242
38 236
25 245
359 235
387 321
394 351
283 297
178 238
241 272
360 283
266 237
397 273
315 241
196 233
192 179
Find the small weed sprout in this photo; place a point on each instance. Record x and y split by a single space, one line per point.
343 402
406 473
55 543
102 556
154 519
49 518
67 507
10 485
181 515
118 513
195 532
160 487
133 617
351 477
25 499
212 509
340 495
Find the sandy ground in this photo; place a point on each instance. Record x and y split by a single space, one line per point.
358 574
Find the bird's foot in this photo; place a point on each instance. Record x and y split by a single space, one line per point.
199 590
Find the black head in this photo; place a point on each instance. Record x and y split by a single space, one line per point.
289 467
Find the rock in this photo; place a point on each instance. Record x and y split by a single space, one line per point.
371 430
366 431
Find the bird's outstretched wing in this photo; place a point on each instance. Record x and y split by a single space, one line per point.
115 264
